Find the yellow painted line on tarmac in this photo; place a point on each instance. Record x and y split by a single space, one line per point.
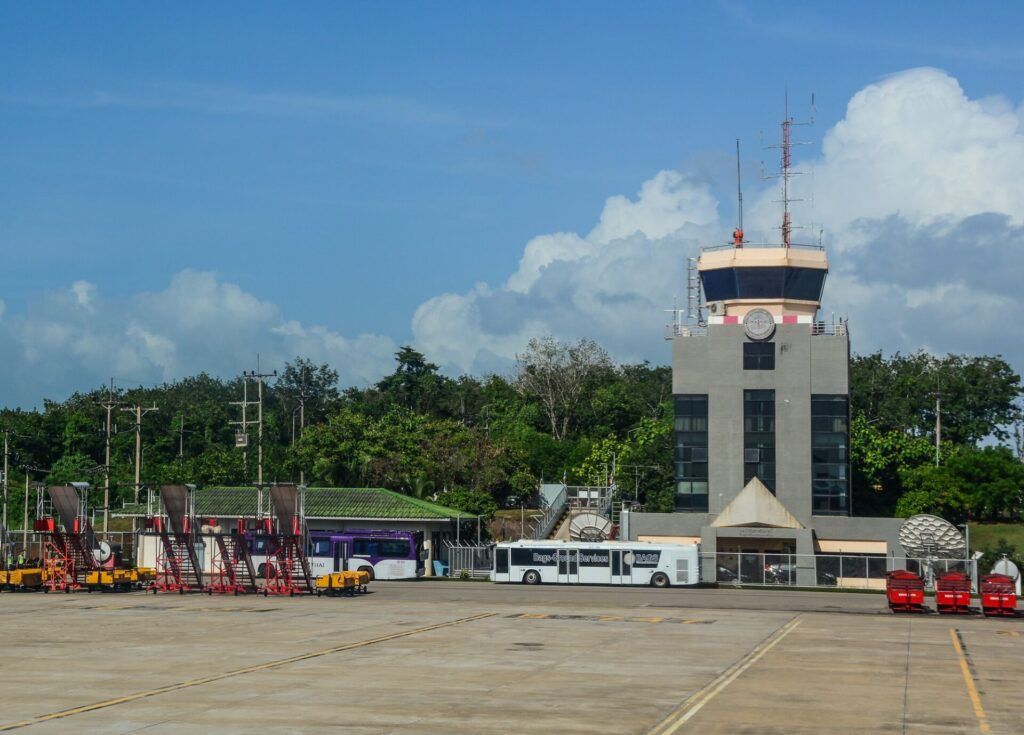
237 672
972 689
682 714
1013 633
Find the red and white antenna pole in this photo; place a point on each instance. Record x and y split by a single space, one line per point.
787 129
786 171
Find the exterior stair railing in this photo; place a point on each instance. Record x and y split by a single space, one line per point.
552 515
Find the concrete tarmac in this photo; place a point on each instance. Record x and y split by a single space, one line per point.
472 657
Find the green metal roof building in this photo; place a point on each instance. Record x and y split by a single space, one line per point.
328 509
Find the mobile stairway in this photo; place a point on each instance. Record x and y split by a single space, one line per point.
287 568
62 517
177 562
231 568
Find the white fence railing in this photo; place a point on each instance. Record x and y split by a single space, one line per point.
469 561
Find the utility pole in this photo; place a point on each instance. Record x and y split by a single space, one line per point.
139 412
258 377
242 436
7 454
110 405
302 424
938 420
24 520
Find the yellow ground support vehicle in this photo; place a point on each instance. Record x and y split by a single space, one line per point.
119 580
341 583
21 580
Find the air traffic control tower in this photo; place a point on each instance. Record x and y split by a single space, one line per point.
761 390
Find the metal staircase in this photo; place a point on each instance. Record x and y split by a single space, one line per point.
287 568
231 567
68 550
587 506
177 563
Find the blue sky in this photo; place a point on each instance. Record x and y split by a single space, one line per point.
338 168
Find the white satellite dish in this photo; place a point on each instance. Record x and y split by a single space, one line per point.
589 527
102 552
1007 567
929 537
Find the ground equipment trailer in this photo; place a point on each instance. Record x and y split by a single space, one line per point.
21 580
334 584
904 591
953 593
117 580
998 595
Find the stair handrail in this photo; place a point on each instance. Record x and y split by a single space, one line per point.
552 514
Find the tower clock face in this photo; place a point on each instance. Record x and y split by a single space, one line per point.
758 324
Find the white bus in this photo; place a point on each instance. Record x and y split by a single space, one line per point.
596 562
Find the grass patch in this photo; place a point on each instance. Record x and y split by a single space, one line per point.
987 535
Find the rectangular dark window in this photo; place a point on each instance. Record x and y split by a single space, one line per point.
830 455
722 284
758 355
691 430
759 437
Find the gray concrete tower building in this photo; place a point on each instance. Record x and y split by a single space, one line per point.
761 386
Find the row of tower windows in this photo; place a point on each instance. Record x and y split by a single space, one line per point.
829 449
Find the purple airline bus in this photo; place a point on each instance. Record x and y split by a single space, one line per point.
384 554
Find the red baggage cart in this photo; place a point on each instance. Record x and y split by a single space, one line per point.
953 593
998 595
905 591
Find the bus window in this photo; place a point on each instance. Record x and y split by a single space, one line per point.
393 549
319 547
364 547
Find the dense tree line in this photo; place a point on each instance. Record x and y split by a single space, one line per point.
481 443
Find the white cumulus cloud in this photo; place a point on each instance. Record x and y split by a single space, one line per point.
76 339
919 193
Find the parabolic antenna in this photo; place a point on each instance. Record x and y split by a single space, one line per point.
930 537
1007 567
589 527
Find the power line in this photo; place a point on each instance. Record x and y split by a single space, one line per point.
139 412
110 404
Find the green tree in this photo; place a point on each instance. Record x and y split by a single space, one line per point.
976 484
557 373
978 394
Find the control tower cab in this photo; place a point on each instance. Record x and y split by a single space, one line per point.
785 282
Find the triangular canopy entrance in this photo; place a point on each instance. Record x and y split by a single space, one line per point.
756 506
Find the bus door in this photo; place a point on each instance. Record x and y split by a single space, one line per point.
339 556
568 566
501 562
622 566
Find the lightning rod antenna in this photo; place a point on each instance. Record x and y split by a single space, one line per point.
737 235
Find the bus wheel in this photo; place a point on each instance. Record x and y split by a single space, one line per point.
660 580
368 570
531 577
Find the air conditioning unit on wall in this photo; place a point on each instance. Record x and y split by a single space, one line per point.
716 308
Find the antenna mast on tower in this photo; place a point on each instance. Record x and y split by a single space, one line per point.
737 234
786 171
